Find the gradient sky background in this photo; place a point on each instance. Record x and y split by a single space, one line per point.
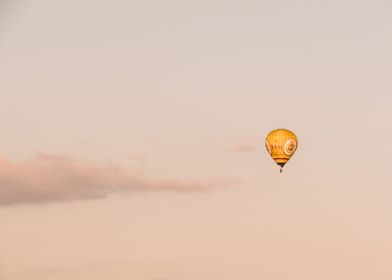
132 140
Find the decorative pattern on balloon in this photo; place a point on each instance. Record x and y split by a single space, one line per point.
268 147
290 146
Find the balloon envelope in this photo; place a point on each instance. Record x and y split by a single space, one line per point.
281 144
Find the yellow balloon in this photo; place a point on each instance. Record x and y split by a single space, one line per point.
281 144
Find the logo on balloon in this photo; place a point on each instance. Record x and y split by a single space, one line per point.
290 147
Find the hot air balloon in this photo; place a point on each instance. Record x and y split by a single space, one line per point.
281 144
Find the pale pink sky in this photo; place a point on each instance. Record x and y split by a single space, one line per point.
132 140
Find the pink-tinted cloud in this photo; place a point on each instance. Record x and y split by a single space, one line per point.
56 178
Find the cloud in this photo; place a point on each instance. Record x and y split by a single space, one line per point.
49 178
